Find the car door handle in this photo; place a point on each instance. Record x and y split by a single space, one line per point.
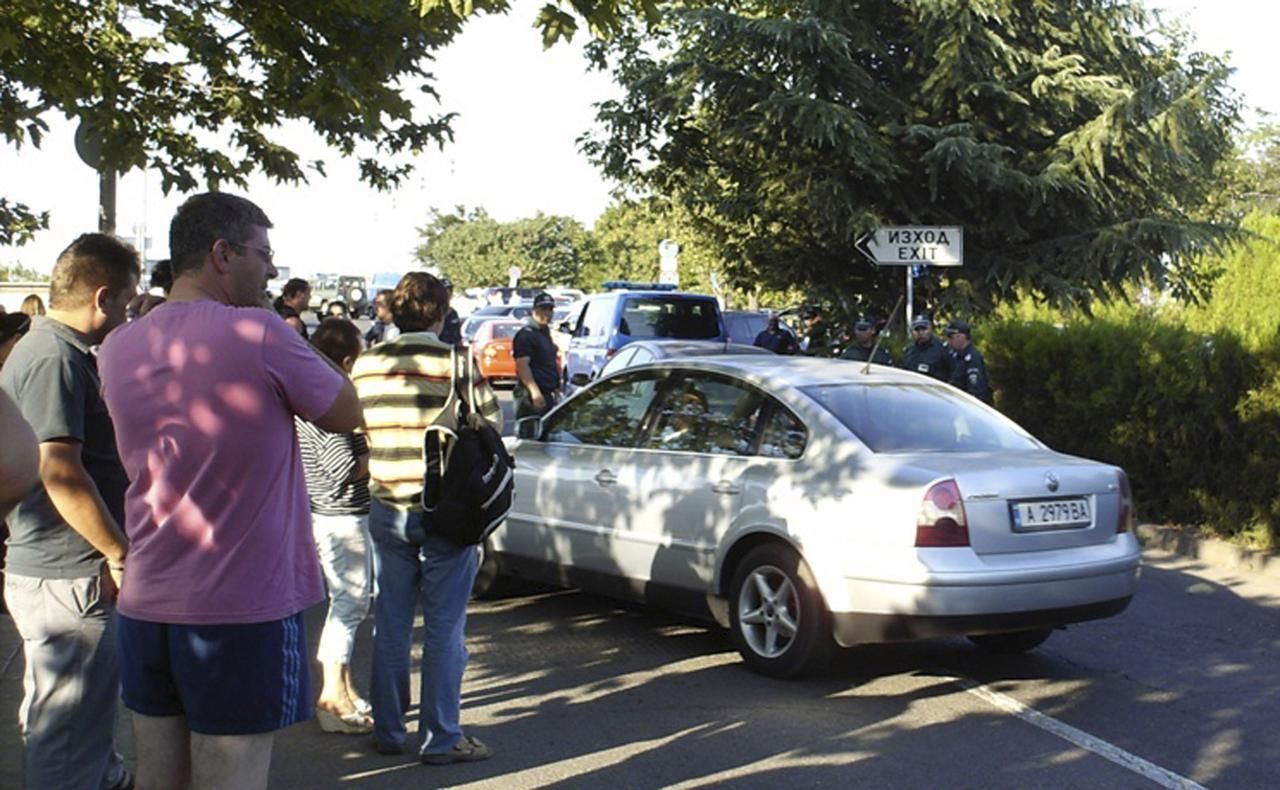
726 487
606 478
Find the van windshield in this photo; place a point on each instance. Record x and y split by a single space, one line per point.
687 319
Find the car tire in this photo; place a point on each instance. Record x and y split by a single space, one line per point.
490 581
777 618
1012 644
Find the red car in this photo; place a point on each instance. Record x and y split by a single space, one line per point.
492 349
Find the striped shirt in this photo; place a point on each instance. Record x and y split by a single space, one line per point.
329 461
403 385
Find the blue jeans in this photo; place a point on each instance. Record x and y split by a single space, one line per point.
410 567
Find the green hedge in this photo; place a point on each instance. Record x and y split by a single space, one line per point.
1194 419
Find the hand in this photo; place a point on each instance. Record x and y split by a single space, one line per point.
539 402
112 579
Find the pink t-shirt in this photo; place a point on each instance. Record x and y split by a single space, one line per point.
203 396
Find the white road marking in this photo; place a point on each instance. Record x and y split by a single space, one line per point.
1108 751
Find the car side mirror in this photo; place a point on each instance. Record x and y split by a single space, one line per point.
528 427
579 379
565 328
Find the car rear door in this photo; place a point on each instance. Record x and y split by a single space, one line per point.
689 479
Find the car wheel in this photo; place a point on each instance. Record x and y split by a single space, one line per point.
1011 644
490 582
778 620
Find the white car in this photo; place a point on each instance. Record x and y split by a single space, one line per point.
805 503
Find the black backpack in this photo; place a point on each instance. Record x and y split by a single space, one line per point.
468 487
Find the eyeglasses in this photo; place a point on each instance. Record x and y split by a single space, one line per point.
267 252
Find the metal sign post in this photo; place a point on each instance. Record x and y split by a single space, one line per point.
913 245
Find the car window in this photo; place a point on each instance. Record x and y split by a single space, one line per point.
595 319
707 415
902 418
608 415
687 319
505 330
784 436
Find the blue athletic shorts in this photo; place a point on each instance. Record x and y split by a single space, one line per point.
241 679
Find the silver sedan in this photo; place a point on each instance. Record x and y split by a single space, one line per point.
808 503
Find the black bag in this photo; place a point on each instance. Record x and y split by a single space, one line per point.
469 483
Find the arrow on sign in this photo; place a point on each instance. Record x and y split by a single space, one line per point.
914 245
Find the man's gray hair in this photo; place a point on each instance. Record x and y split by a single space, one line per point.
205 218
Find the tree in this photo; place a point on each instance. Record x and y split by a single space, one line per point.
1073 146
200 91
475 250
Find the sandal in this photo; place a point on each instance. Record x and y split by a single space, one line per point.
468 749
353 723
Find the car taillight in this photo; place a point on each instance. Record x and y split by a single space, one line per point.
1126 522
609 352
941 521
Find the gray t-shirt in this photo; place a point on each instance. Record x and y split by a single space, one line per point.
53 377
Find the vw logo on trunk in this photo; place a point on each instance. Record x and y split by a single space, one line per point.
1051 481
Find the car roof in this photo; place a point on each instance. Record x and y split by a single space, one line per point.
675 347
500 309
774 371
653 295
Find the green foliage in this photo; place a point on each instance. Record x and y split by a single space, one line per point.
603 17
476 250
1193 418
201 92
1077 142
18 223
1244 297
21 274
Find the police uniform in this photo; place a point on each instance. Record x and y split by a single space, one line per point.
859 353
534 342
968 369
932 358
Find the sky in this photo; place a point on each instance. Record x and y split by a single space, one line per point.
520 109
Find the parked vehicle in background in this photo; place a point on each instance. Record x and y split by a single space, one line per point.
642 352
611 320
807 503
350 290
562 322
744 325
566 296
491 347
492 313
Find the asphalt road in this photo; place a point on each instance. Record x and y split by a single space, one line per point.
577 691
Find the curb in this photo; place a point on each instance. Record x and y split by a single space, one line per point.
1210 551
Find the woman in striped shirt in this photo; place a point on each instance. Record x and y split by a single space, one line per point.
337 473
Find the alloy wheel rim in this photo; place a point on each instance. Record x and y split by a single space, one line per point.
768 612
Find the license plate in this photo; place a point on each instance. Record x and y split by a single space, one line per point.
1051 514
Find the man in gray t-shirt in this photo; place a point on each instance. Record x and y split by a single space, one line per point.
66 548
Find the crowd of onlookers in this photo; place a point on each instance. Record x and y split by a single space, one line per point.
183 475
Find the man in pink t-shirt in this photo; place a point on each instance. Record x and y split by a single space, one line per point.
203 390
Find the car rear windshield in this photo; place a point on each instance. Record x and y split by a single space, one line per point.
688 319
505 330
911 418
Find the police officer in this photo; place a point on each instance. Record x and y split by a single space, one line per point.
776 339
968 370
864 343
538 388
926 353
451 331
817 335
